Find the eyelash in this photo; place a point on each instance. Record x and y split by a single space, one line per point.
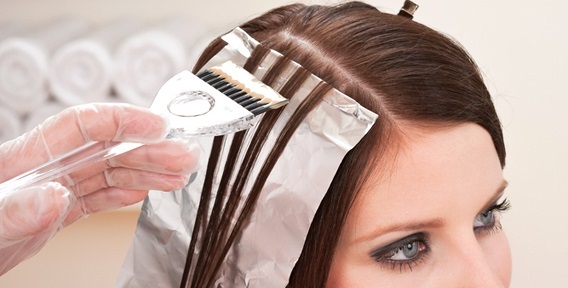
384 255
495 226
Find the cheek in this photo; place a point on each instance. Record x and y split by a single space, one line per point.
339 274
334 278
347 273
498 255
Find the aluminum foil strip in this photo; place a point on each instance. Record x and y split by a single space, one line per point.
270 244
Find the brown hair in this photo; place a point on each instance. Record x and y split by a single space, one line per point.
406 72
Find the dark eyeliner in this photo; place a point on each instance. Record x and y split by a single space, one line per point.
380 253
497 209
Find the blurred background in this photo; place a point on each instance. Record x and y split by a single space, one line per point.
123 50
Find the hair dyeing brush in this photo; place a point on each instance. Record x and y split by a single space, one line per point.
221 100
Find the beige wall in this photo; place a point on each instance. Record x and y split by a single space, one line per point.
521 47
87 254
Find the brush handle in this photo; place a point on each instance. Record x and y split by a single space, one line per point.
81 157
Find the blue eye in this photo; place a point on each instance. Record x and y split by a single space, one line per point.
484 219
404 253
408 251
488 220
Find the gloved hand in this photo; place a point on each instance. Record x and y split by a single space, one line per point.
30 217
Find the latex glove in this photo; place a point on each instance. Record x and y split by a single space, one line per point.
28 219
120 181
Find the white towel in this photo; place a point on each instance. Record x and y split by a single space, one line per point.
148 59
40 114
10 126
24 63
82 70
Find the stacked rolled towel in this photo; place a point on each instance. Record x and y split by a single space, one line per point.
24 63
82 70
146 60
10 126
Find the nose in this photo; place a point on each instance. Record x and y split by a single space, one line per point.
474 262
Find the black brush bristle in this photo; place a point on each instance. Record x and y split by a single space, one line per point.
241 97
253 105
248 102
232 91
260 110
237 94
203 74
219 84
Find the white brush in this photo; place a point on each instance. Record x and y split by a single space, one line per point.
221 100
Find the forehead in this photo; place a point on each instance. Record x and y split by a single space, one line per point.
432 173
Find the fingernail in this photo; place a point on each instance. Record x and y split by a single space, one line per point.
145 129
195 150
180 183
165 125
52 204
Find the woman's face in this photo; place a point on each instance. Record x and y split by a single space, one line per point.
433 221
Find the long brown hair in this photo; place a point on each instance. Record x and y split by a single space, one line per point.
406 72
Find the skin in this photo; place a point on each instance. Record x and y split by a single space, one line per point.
438 182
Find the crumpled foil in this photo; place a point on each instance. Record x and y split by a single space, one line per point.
268 247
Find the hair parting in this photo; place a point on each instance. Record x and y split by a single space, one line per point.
406 72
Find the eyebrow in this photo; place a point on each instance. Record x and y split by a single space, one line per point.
429 224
